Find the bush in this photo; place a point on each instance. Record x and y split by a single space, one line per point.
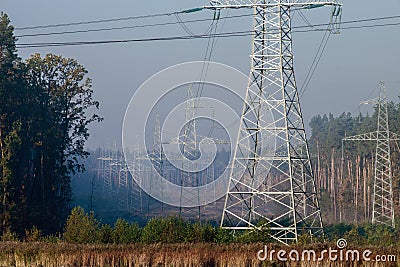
33 235
125 232
9 236
105 235
164 230
335 231
81 227
379 235
223 236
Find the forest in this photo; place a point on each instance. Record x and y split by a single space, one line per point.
345 179
46 108
44 118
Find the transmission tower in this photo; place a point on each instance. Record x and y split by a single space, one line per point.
189 200
136 195
288 207
123 185
157 160
382 205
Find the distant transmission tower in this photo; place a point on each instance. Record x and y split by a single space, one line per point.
382 206
189 200
288 207
157 160
123 185
136 194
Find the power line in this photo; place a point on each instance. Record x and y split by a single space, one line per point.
157 15
210 19
96 21
221 35
127 27
113 20
317 58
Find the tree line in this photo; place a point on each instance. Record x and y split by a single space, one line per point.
83 228
345 180
46 105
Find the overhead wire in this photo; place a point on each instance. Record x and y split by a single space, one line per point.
108 20
184 27
316 59
185 37
222 35
201 36
206 63
129 27
96 21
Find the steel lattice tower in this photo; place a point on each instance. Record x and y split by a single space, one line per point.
382 206
136 197
123 185
189 201
289 206
157 160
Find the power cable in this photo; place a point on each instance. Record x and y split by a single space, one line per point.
221 35
57 44
96 21
316 59
128 27
113 20
182 24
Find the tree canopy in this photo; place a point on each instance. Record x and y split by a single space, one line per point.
46 106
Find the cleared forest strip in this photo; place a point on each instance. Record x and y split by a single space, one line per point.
201 254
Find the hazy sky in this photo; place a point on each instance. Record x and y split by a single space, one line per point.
352 65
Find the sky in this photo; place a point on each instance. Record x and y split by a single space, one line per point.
349 71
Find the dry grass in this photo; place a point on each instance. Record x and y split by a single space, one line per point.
63 254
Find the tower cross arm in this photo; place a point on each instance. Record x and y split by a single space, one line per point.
372 136
224 4
394 136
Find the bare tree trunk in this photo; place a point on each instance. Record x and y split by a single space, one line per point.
365 172
356 188
4 189
333 177
318 166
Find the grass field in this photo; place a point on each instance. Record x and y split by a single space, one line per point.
201 254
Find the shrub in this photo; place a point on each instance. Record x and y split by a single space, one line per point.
223 236
165 230
33 235
379 235
81 227
9 236
105 234
125 232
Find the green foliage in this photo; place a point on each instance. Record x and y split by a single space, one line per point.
167 230
380 235
336 231
105 235
199 232
223 236
44 119
365 234
261 235
125 233
81 227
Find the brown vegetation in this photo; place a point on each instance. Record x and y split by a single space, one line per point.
63 254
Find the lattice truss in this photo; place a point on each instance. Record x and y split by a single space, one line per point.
272 185
117 181
382 204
